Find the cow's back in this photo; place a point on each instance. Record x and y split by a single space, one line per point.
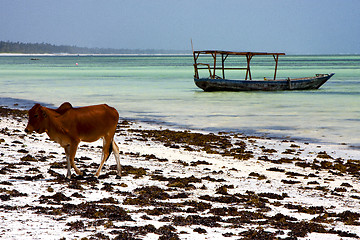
91 122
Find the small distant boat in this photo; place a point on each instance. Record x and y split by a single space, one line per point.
219 83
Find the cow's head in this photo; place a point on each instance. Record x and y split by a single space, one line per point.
37 117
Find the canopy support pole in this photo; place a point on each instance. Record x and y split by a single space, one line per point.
195 65
223 64
248 72
276 58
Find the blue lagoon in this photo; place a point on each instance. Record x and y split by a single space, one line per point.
160 89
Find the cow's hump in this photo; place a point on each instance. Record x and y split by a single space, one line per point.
64 108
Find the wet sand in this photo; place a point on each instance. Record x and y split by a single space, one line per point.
177 184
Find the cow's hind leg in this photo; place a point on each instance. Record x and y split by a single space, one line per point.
107 149
67 153
117 157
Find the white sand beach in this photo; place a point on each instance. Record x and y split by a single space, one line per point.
177 185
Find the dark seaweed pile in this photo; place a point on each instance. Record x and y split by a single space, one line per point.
7 112
170 199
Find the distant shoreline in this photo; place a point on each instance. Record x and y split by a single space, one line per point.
45 48
133 54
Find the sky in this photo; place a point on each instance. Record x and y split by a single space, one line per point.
291 26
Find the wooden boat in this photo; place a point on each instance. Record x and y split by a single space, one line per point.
216 83
208 84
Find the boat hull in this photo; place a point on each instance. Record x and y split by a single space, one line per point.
263 85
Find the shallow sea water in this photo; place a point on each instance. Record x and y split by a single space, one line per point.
160 89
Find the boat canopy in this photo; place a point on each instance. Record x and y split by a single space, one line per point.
224 55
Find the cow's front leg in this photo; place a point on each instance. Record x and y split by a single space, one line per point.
73 147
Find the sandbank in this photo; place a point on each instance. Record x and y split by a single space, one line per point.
177 183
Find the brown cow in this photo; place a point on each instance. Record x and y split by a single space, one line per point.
68 126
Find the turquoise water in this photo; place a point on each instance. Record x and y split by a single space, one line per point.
161 89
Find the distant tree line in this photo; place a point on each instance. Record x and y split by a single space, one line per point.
43 48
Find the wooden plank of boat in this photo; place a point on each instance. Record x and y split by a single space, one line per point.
315 82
